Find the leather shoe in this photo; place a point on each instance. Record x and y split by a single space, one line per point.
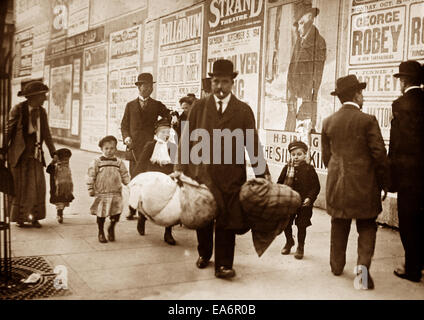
403 275
36 224
224 273
102 238
299 253
169 239
286 249
141 224
202 263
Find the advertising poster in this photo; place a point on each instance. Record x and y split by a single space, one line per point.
382 35
60 97
38 63
78 16
94 99
149 41
242 46
75 117
124 63
300 65
180 56
77 76
59 18
23 50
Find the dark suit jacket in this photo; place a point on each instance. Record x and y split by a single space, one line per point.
17 131
306 66
353 151
139 124
224 180
406 149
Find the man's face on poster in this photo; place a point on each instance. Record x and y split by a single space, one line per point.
304 24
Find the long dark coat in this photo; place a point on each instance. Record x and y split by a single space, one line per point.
224 180
139 124
406 149
354 153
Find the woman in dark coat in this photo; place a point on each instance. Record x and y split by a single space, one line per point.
155 157
27 129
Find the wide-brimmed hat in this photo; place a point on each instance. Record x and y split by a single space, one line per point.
347 83
223 67
303 8
410 68
33 88
163 122
144 78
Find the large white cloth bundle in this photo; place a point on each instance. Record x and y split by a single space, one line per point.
198 206
157 196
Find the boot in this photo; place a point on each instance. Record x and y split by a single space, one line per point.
60 215
100 224
169 239
299 252
111 229
131 215
141 224
289 241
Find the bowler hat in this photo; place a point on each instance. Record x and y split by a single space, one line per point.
33 88
144 78
410 68
297 144
223 67
163 122
304 8
350 82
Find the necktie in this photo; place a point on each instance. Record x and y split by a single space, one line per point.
34 116
220 108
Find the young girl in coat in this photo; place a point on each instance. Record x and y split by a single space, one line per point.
61 186
106 175
301 177
156 157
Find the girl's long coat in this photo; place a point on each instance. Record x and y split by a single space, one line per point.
354 153
224 180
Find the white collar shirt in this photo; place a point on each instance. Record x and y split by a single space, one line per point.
353 104
410 88
225 102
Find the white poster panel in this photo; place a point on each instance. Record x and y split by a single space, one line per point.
77 75
243 48
75 117
94 99
124 65
378 36
38 63
382 110
78 16
416 32
60 97
149 41
180 56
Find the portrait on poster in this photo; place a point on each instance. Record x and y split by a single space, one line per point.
60 97
300 65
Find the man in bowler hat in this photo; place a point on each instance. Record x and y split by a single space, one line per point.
354 153
138 122
406 155
222 110
306 67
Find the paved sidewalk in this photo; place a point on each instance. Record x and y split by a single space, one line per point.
136 267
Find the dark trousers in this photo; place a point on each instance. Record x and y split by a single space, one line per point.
411 229
225 241
340 228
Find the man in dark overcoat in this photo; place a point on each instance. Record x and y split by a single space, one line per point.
354 153
235 120
406 156
138 122
306 67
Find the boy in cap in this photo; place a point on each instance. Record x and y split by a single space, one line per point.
61 186
303 178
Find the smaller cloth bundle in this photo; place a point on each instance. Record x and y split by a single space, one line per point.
197 203
269 207
157 196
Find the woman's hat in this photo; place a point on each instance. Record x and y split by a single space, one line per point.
223 67
296 145
303 8
163 122
33 88
348 83
144 78
410 68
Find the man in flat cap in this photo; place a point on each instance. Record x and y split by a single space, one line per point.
27 128
354 153
306 67
406 155
138 123
223 111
